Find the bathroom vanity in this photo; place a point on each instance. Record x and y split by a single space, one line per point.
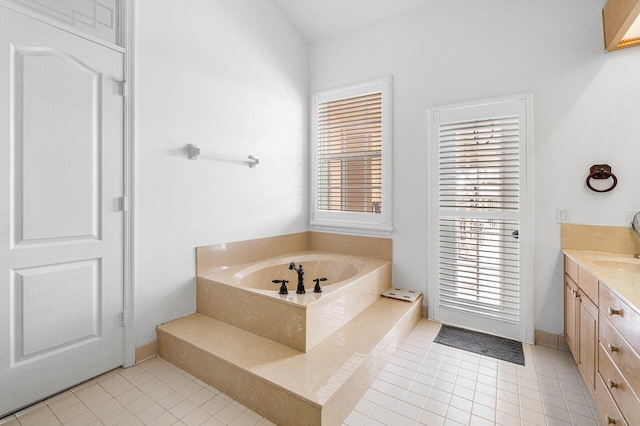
602 329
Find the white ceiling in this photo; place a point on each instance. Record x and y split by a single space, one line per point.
319 19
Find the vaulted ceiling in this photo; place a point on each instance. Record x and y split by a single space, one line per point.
320 19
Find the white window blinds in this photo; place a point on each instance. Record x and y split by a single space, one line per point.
479 164
479 174
349 154
351 158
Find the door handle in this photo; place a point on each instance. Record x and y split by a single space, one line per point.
515 234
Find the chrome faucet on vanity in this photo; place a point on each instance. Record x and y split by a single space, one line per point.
300 272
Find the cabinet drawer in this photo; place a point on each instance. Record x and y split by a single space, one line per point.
588 284
608 410
619 388
571 268
625 358
624 319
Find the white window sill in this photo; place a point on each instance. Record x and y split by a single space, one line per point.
351 228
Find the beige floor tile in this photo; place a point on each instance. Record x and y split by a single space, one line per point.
215 404
148 385
202 396
228 413
139 404
190 388
213 422
9 421
32 415
183 408
131 372
160 392
71 412
96 399
164 419
83 419
116 417
414 381
196 417
139 379
62 401
120 388
149 413
129 396
171 400
106 408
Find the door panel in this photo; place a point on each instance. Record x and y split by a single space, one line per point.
49 204
480 206
61 229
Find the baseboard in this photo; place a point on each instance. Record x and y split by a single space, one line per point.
147 351
551 340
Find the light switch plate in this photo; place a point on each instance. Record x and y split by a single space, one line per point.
562 215
630 215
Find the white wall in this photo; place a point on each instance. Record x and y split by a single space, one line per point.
231 76
586 111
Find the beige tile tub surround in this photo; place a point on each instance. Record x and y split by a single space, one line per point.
286 386
610 239
298 321
214 256
310 318
376 248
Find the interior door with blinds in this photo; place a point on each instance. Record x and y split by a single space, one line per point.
480 197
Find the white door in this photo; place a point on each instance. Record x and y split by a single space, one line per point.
480 201
61 228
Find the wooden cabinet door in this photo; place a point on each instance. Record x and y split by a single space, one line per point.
587 339
570 315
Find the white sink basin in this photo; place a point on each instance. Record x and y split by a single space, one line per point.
619 265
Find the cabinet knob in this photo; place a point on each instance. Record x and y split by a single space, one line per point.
609 420
615 311
612 384
612 348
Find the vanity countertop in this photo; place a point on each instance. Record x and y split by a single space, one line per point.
620 272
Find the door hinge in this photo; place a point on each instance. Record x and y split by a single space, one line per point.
122 88
123 204
125 318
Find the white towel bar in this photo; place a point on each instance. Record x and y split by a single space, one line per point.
194 152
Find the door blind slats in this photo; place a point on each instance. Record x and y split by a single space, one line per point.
349 154
479 257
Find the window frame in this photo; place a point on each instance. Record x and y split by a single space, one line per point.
345 221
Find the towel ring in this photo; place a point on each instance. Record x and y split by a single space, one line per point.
601 171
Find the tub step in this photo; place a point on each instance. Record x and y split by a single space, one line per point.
288 387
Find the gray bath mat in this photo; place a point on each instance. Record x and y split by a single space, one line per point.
480 343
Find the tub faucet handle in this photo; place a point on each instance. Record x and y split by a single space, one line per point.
283 287
317 288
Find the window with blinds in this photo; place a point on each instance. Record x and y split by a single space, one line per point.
350 154
351 128
479 174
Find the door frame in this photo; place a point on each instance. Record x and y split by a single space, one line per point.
126 43
527 208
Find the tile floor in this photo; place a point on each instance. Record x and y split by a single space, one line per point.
415 382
